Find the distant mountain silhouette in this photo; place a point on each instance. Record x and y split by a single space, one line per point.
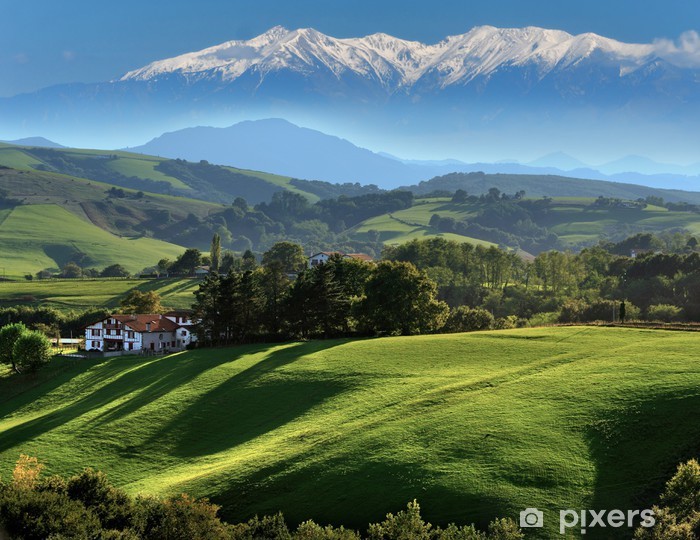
35 141
280 147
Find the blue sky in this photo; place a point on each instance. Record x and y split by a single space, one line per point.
45 42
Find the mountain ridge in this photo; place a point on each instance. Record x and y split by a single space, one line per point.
398 63
490 93
281 147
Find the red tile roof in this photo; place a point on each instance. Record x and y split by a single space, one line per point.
139 323
360 256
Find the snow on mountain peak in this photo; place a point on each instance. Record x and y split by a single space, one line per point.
397 63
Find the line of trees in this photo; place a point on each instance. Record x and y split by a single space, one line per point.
437 285
341 297
568 287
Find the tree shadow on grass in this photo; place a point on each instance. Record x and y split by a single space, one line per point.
151 378
250 404
19 390
180 369
638 449
354 491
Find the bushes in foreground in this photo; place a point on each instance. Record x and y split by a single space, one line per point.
88 506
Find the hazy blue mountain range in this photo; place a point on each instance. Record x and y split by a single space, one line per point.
281 147
489 91
35 141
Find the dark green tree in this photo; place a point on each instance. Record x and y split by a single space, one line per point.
187 262
115 270
249 261
71 270
9 334
141 302
288 255
400 299
215 253
31 350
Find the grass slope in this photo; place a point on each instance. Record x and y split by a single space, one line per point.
34 237
126 163
571 218
472 425
79 294
394 229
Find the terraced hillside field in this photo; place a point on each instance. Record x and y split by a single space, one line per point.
472 425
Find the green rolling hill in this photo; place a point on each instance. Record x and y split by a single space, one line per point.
82 294
395 229
151 173
472 425
35 237
573 219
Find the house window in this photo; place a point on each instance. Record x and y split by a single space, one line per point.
118 333
108 333
183 333
96 332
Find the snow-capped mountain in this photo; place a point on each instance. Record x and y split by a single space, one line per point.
398 64
482 95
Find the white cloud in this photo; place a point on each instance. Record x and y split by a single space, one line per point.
68 55
683 52
21 58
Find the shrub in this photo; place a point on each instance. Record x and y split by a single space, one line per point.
466 319
311 531
544 318
664 312
9 335
572 311
111 505
679 514
506 323
405 524
32 350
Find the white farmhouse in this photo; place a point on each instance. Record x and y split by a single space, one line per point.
138 333
322 257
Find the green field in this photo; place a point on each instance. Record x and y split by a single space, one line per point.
129 164
80 294
394 232
39 236
472 425
571 218
282 181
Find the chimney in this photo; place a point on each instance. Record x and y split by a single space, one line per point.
148 327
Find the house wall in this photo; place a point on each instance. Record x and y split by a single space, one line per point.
96 333
321 258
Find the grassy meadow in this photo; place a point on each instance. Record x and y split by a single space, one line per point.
395 229
80 294
571 218
474 426
35 237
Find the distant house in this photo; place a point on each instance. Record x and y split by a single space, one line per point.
322 257
201 271
118 334
634 253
